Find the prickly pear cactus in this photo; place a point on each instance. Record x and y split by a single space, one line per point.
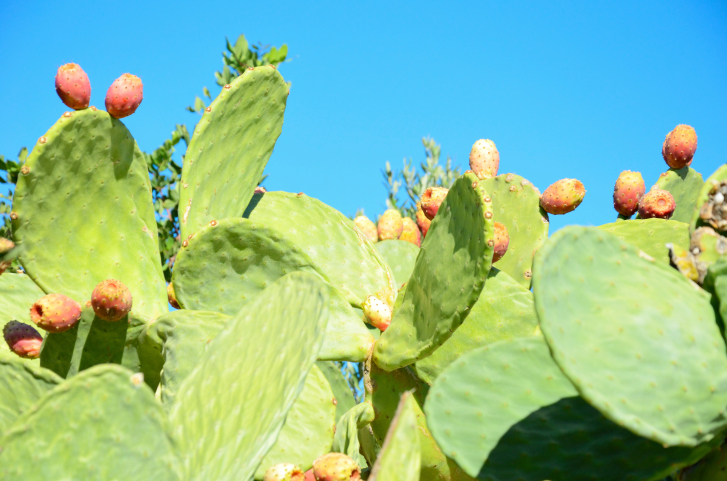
401 256
400 454
23 384
684 185
651 235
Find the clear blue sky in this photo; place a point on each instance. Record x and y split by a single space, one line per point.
572 89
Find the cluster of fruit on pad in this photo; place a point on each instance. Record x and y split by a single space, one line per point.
485 348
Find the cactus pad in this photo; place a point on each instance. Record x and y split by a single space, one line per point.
84 213
339 386
225 423
230 147
400 454
117 428
505 310
23 384
516 205
654 360
346 438
400 256
651 235
448 277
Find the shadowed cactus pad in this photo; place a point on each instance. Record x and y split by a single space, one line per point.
654 361
23 384
400 454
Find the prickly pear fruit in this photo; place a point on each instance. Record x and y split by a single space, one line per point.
500 242
124 96
410 232
431 199
367 227
284 472
22 339
260 189
390 225
422 220
111 300
377 312
627 192
6 245
336 467
714 211
563 196
657 203
55 313
73 86
484 159
309 476
679 146
172 296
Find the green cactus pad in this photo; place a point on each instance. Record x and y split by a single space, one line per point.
719 175
638 340
226 265
230 147
182 337
23 384
226 421
684 185
388 387
346 257
400 256
516 205
339 386
308 429
651 235
712 467
17 293
84 213
400 455
505 411
346 438
447 280
505 310
100 425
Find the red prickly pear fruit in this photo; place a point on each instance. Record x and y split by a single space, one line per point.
627 192
73 86
499 242
124 96
111 300
377 312
390 225
22 339
260 190
6 245
336 467
431 200
657 203
366 227
679 146
309 476
484 159
172 296
284 472
422 220
563 196
410 232
55 313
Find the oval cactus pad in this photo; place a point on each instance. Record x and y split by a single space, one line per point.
400 456
651 235
639 340
84 213
23 384
230 147
448 277
400 256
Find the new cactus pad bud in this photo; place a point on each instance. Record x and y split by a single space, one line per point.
390 225
501 241
431 199
422 220
6 245
367 227
336 467
627 192
714 211
55 313
563 196
410 232
657 203
73 86
124 96
377 312
284 472
111 300
679 146
484 159
23 339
